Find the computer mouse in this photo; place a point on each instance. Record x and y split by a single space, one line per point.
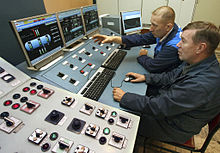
129 78
146 46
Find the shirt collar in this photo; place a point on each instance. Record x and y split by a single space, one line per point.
164 37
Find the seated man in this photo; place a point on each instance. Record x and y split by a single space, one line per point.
189 95
163 32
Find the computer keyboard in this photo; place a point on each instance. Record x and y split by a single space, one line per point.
97 84
115 59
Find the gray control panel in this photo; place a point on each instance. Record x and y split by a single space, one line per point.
38 117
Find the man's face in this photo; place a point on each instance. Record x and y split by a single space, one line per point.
187 48
158 28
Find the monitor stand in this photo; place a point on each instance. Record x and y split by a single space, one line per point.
73 46
51 63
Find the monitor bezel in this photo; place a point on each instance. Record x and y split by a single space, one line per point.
44 61
95 29
61 30
123 25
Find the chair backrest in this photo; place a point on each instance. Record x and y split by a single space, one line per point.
213 125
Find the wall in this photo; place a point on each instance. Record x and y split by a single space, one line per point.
59 5
11 10
207 10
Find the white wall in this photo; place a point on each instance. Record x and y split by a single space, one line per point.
208 10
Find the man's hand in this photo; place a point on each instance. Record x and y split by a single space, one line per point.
138 77
143 52
102 38
107 39
118 94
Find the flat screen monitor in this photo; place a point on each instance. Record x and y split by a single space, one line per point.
39 38
72 26
91 18
131 21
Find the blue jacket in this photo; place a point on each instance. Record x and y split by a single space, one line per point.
165 53
189 98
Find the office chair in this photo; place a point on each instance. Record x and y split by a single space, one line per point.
213 127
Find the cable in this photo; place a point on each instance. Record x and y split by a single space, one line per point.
118 86
90 73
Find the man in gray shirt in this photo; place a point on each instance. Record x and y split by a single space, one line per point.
189 96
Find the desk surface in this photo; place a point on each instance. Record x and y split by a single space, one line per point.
129 64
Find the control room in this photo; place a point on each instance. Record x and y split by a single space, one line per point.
110 76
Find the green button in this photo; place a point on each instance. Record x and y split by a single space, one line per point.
106 131
114 114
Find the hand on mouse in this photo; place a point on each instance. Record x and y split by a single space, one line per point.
138 77
143 52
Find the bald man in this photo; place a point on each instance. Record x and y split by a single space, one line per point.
163 32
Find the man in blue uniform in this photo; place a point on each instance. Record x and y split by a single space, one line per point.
163 32
189 95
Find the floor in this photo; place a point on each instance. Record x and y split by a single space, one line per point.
214 146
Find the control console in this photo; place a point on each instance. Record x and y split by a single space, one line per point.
38 117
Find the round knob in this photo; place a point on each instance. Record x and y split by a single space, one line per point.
76 124
4 114
102 140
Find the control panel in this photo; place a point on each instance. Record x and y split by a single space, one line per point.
38 117
75 69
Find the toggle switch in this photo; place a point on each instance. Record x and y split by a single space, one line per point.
45 91
63 145
9 122
87 109
30 105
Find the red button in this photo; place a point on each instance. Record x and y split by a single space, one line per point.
101 52
33 92
15 106
7 102
82 72
90 64
26 89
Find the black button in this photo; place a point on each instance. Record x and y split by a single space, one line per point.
45 147
4 114
102 140
40 86
16 96
32 84
24 99
111 121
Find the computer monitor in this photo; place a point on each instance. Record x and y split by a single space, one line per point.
72 26
39 38
91 18
131 21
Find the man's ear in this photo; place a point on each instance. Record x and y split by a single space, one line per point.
201 48
169 26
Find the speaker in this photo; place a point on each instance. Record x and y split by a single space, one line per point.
112 22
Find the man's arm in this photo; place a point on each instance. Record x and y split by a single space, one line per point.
166 60
179 99
138 40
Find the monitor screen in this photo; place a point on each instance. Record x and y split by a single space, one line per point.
39 37
131 21
91 19
71 25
